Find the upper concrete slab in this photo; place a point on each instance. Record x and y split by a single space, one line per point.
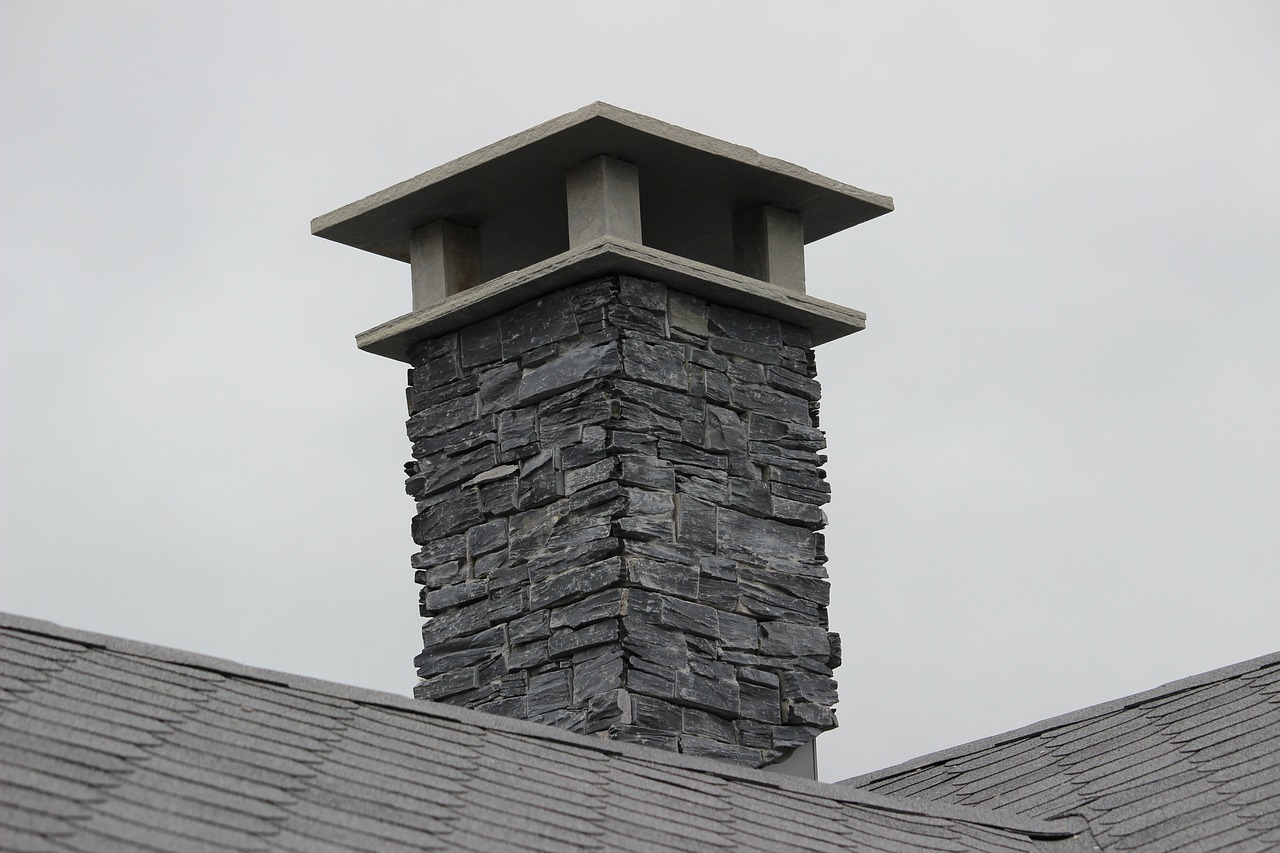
513 192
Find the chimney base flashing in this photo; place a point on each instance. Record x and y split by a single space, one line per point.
827 321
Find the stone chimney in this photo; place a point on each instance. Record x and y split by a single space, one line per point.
617 465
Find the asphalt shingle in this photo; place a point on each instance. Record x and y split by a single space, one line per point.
108 744
1193 765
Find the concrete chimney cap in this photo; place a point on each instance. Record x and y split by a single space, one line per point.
513 191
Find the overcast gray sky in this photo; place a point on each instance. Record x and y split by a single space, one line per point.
1054 449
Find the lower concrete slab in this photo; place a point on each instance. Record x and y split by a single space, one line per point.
826 320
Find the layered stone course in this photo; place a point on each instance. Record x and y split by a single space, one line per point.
619 492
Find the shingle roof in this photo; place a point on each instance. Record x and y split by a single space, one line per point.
110 744
1192 765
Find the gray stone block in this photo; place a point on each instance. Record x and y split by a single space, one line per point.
678 579
568 641
440 550
528 655
651 684
498 498
809 714
716 387
689 457
472 434
744 349
447 684
672 404
460 652
738 631
643 293
659 362
785 639
593 608
663 648
537 323
440 418
541 481
763 677
480 343
436 372
836 650
744 326
604 711
507 706
517 428
608 494
696 524
656 715
772 604
485 538
427 398
748 372
455 594
598 676
567 371
790 382
444 472
589 450
701 724
508 602
708 694
713 489
787 738
805 514
549 692
797 336
644 528
635 318
576 582
807 687
751 540
815 590
637 470
645 737
447 517
751 497
776 404
499 388
440 575
461 621
622 441
814 497
577 479
687 313
673 613
534 626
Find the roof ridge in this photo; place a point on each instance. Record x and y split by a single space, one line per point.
781 784
1166 690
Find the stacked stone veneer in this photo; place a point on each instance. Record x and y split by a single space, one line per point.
618 490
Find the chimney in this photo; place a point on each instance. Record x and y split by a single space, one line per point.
617 465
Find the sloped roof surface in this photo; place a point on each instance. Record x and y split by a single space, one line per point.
109 744
1193 765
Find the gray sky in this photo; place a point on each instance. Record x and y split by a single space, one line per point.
1054 449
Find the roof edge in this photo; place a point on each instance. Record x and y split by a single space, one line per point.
1171 688
1062 828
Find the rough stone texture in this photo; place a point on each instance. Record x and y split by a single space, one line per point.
618 495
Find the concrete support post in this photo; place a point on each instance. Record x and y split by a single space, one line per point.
768 244
445 259
604 200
